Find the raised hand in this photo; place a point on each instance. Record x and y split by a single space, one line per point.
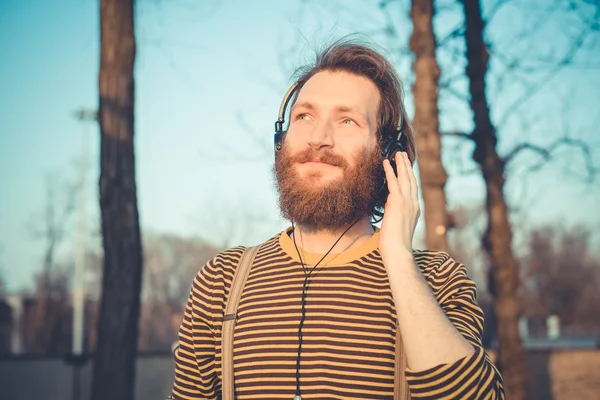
401 211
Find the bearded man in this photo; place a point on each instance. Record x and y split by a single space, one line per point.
327 300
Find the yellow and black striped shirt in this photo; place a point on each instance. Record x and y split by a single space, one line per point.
348 335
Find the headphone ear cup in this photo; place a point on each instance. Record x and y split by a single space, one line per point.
278 140
389 151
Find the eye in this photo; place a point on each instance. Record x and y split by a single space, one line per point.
301 116
349 121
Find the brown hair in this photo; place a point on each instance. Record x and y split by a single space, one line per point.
361 60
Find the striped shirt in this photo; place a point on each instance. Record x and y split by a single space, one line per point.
348 335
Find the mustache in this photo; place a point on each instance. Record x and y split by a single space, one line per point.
324 156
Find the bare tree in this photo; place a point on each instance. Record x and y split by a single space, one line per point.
170 265
50 296
234 221
53 335
114 361
425 92
561 276
497 239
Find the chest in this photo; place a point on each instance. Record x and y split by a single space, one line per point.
347 336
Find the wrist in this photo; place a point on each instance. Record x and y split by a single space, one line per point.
400 258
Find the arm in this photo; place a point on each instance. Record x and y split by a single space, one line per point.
436 309
195 375
429 336
454 374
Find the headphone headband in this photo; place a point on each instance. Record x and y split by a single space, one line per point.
286 99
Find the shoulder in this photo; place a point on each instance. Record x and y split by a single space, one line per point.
435 261
439 266
221 266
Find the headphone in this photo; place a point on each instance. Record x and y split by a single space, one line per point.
389 148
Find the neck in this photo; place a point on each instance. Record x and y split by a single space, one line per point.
320 241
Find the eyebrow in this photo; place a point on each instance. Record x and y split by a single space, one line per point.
311 106
304 104
351 110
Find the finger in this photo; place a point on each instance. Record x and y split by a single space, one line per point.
403 178
412 178
392 181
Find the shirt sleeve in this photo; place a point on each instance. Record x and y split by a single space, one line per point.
473 377
195 373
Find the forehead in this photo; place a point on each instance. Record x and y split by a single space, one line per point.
340 89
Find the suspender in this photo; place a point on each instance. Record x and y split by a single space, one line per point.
401 390
237 286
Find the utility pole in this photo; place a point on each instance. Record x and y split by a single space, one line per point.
84 116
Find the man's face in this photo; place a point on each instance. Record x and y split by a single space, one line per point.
328 167
335 113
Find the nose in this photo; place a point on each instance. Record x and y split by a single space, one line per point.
321 136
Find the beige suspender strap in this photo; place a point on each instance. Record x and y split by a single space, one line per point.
237 286
401 390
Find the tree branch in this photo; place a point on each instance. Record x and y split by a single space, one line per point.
461 135
446 87
494 10
563 62
226 151
457 32
546 154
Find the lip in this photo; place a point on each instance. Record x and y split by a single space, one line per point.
317 163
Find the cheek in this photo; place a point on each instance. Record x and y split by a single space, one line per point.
293 137
353 150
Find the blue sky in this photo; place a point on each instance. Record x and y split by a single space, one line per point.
201 66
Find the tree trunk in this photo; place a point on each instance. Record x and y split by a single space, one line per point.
498 236
114 361
425 91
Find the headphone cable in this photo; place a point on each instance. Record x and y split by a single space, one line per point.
304 291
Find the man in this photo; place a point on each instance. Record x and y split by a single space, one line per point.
319 312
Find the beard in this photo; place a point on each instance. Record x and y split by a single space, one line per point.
333 205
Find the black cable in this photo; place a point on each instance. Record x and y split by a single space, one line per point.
304 291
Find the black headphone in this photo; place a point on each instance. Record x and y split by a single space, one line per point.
389 147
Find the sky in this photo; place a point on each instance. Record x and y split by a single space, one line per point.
209 79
